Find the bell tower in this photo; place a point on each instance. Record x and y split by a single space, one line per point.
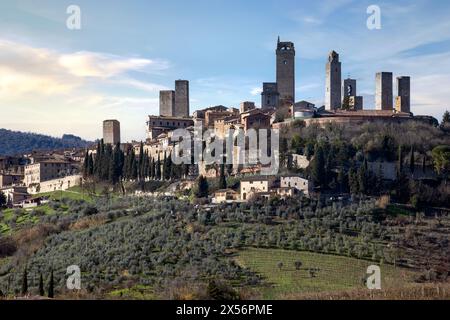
286 71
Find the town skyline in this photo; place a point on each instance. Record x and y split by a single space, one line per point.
78 78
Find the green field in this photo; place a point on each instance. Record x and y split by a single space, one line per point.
335 272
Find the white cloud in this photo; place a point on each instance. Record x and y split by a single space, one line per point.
256 91
44 90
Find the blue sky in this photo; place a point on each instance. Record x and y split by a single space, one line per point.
54 80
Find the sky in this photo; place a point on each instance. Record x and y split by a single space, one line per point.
54 80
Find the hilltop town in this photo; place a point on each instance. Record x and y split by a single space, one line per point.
23 176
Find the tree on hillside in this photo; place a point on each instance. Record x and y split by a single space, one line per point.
158 169
3 200
51 285
25 281
202 187
445 118
318 167
412 163
222 178
441 159
41 285
400 161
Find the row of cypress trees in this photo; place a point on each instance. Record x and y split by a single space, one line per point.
51 284
113 165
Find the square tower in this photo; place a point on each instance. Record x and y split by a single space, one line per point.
181 98
286 71
383 91
270 95
166 103
348 88
333 82
111 132
403 92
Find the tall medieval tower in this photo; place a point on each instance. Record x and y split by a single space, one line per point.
333 82
286 71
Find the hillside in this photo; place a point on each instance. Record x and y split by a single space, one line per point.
16 142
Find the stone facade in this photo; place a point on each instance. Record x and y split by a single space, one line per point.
356 102
111 132
181 108
59 184
47 170
246 106
166 103
348 88
270 95
333 82
253 185
403 92
383 91
296 182
158 125
285 56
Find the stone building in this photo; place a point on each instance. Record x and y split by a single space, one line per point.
403 99
333 82
348 88
111 132
256 119
166 103
252 185
48 170
181 98
158 125
246 106
355 102
285 56
383 91
270 95
297 183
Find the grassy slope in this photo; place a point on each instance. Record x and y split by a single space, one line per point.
336 272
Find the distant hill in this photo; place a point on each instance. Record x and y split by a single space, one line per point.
16 142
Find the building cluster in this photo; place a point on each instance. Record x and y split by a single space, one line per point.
343 95
342 105
254 187
21 177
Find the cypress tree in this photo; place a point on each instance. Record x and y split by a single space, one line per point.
51 285
141 162
158 169
222 179
86 165
152 168
25 281
400 160
202 187
318 167
412 163
41 285
91 165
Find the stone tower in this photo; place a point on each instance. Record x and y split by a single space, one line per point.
286 71
383 91
333 82
111 132
403 102
269 95
181 98
348 88
166 103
